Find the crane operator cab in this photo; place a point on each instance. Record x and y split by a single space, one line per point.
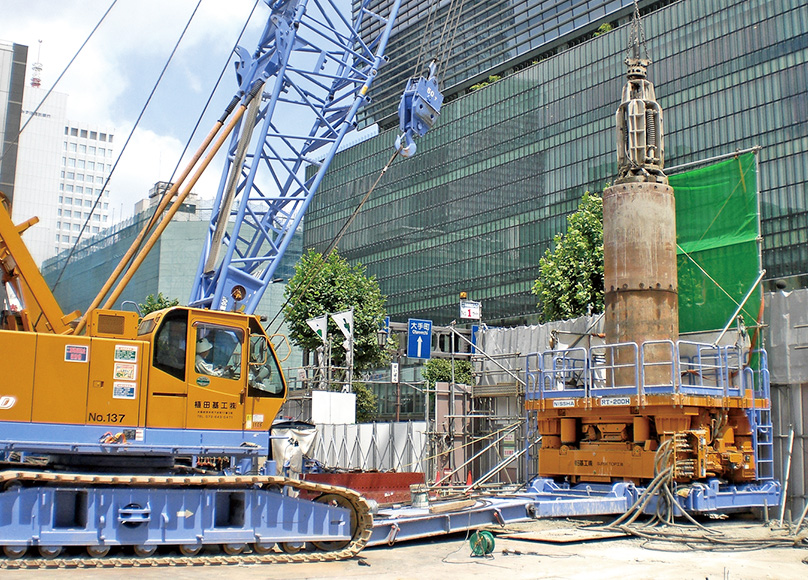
211 370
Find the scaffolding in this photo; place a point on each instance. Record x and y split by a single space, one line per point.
500 435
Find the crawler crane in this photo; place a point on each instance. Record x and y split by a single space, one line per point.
118 411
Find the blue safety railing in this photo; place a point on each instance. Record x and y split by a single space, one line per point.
558 373
656 367
706 369
760 416
615 369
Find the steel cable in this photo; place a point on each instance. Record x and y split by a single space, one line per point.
126 143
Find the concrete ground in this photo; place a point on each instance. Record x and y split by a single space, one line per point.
449 557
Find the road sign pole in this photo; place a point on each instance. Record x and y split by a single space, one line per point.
396 380
351 366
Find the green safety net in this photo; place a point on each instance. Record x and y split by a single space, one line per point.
717 231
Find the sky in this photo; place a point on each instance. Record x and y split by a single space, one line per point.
110 80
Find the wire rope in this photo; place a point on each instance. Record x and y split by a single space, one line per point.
433 10
447 51
154 217
59 78
126 143
636 35
449 30
295 295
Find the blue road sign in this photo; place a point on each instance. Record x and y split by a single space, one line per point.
419 338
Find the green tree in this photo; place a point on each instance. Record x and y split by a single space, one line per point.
571 275
366 403
491 80
158 302
440 370
602 29
333 285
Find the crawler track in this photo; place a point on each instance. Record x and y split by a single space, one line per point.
362 525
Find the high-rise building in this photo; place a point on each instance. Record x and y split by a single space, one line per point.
86 162
38 166
494 180
55 169
12 80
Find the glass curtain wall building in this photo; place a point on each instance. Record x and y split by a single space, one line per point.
474 39
494 180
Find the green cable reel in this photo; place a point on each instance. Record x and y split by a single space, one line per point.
482 543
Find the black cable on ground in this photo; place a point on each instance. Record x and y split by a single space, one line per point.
662 528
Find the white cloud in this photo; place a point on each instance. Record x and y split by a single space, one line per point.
110 80
149 158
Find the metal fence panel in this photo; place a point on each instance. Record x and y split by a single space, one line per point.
790 410
372 446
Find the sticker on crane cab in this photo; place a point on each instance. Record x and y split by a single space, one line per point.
7 401
121 390
612 401
125 353
125 371
254 421
77 353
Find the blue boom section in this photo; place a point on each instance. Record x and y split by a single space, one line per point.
313 71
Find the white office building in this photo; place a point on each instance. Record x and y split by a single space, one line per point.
61 170
38 165
83 202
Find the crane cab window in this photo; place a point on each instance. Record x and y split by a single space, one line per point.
170 345
218 351
265 377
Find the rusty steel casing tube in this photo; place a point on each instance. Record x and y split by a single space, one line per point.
639 251
639 237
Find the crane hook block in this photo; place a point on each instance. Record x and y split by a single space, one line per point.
418 110
405 144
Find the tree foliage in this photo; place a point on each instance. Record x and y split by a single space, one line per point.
491 80
366 403
154 303
440 370
333 285
571 274
602 29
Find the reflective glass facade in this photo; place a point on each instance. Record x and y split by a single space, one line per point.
475 38
494 180
13 58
